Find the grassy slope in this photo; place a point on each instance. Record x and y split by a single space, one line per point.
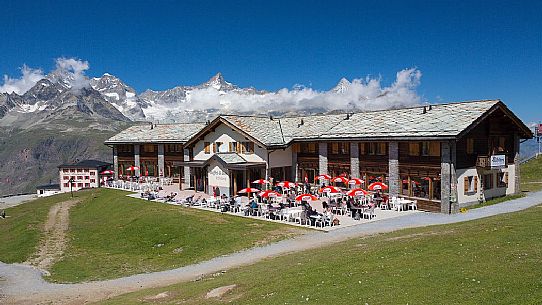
113 235
531 175
22 228
489 261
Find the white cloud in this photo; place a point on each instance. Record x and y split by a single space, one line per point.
20 85
362 94
69 71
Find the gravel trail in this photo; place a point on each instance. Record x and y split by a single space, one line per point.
22 284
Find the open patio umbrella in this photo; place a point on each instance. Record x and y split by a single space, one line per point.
322 177
107 172
260 181
356 181
306 197
132 168
269 193
286 184
329 190
377 186
248 190
357 192
340 179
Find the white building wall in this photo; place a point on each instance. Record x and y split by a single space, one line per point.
45 193
226 135
470 198
218 177
84 178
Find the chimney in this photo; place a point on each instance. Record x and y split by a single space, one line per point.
430 107
424 110
347 116
301 123
152 126
271 117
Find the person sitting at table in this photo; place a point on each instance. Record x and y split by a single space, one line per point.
253 207
328 216
325 205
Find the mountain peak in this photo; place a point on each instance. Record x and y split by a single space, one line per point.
342 86
218 83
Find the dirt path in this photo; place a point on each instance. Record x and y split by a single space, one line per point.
24 285
53 245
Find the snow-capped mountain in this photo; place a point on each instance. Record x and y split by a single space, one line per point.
120 95
109 97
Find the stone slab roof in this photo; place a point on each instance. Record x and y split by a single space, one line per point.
160 133
230 157
438 121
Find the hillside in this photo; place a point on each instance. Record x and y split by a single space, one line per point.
30 156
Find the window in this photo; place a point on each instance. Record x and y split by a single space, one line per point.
66 185
470 146
65 170
92 180
87 177
381 148
216 147
308 148
470 184
125 148
174 148
371 148
87 184
335 148
92 173
414 149
66 178
247 147
488 181
79 184
425 149
362 148
149 148
79 177
207 147
72 170
434 149
502 179
235 147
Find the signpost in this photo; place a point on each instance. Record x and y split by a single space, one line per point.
498 161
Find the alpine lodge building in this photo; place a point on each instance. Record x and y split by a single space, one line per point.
446 156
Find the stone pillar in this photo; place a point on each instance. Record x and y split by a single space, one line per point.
136 160
295 167
161 162
115 163
322 158
448 180
186 169
354 159
393 168
517 177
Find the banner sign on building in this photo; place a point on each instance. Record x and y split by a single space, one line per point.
498 161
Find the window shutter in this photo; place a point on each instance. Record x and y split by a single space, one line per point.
207 148
362 148
506 178
230 146
238 147
251 147
434 149
465 185
475 184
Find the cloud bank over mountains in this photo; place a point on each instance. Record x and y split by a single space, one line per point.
217 95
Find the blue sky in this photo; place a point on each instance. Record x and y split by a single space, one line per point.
465 51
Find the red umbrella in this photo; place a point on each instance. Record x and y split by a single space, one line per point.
260 181
132 168
340 179
269 193
286 184
356 181
329 189
377 186
107 172
322 177
306 197
357 192
248 190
